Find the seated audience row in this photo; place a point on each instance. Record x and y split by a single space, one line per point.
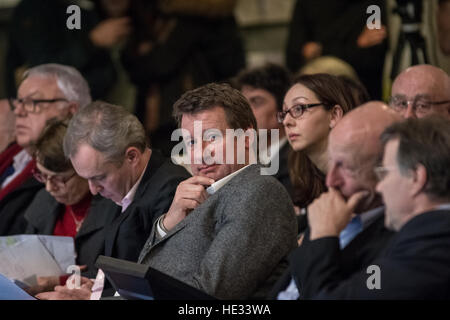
117 197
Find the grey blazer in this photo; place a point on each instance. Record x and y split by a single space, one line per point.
233 246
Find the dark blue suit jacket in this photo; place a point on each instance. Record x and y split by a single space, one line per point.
415 265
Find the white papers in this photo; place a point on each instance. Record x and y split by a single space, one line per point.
9 291
24 257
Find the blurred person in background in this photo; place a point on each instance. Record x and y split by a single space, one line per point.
177 46
265 87
338 28
7 131
38 34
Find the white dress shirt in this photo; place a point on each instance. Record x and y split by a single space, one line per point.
20 161
99 281
210 190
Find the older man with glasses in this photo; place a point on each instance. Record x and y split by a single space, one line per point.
47 91
420 91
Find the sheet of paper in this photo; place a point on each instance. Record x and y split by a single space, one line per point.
24 257
10 291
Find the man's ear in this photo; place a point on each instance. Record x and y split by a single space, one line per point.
419 180
132 155
336 114
73 107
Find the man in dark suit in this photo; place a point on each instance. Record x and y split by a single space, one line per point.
414 182
229 227
108 147
47 91
265 87
354 150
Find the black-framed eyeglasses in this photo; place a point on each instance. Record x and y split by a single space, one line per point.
32 105
419 105
56 179
296 111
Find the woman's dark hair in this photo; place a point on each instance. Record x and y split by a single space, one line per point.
358 90
49 147
307 180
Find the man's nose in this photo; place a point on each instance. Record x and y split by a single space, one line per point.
93 187
410 111
333 178
49 186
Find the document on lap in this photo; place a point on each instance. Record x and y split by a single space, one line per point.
25 257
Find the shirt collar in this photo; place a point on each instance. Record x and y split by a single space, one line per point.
370 216
445 206
128 199
220 183
21 160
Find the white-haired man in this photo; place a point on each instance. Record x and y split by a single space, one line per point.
47 91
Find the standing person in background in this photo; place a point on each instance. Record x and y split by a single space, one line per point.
38 34
179 46
338 28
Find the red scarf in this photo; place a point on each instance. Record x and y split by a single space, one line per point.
26 173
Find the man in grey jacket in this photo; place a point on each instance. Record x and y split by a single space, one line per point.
229 227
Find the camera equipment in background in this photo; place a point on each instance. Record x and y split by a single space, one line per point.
410 12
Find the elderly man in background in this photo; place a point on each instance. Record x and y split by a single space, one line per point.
420 91
47 91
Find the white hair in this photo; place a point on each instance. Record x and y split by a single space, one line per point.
69 80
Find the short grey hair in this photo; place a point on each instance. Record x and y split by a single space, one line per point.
107 128
69 80
424 141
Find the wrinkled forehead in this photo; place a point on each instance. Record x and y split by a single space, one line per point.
38 85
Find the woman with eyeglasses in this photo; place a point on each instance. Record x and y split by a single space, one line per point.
312 107
66 207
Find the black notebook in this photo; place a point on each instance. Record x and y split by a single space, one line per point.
141 282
